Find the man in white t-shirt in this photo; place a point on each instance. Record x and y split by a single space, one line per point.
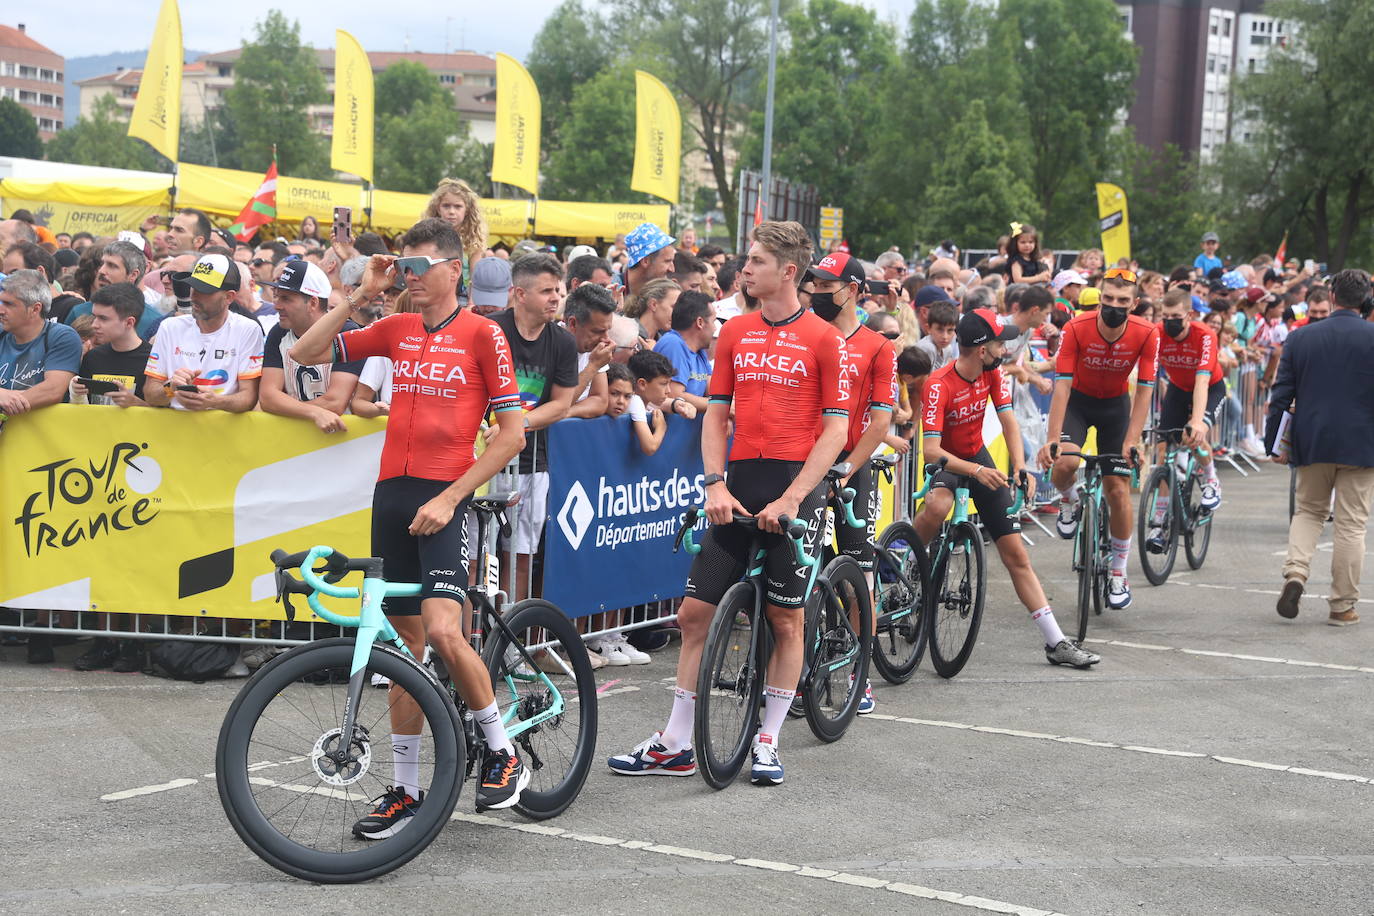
210 359
317 393
588 313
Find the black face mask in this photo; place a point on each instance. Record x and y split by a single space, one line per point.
1315 319
1114 317
996 361
1173 326
825 306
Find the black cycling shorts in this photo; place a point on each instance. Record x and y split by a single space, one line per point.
1177 408
992 505
858 542
725 553
1109 416
439 562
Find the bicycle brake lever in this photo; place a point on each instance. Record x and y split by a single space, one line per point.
504 522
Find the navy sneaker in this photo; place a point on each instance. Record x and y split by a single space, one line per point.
1118 592
394 810
866 702
652 756
1067 522
767 768
504 777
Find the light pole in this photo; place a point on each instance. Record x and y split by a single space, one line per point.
768 111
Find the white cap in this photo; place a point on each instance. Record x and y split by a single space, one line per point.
305 277
1068 278
580 251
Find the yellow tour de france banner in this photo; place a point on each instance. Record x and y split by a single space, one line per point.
223 191
156 116
351 149
583 220
658 139
515 159
73 206
159 511
1116 224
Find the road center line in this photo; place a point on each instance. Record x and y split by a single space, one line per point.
148 790
1238 656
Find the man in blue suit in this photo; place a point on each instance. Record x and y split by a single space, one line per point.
1326 374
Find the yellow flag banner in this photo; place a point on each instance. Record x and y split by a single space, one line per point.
1115 222
585 220
156 116
159 511
72 206
223 191
351 149
658 139
515 159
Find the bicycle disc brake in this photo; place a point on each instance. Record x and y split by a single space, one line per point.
337 767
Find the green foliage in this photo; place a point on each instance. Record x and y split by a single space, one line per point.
103 139
1168 210
213 141
276 80
597 151
405 86
18 131
419 137
570 49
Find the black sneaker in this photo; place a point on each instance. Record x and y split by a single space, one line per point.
100 655
40 650
130 656
503 779
650 639
394 810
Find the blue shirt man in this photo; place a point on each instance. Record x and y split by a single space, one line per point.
686 346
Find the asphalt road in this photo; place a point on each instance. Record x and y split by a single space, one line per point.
1215 762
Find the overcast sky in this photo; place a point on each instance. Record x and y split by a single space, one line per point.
80 27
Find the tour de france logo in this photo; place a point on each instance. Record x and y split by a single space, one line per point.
74 500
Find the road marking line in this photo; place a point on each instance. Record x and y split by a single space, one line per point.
865 882
1239 656
608 685
1142 749
148 790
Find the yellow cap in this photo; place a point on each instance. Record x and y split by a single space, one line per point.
1089 296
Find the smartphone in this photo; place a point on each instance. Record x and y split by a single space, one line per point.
181 289
96 386
191 388
877 287
1309 265
343 224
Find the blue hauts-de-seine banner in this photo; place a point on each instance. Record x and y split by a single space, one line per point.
614 513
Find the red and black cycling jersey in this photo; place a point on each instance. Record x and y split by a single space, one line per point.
872 377
443 381
1184 359
954 408
783 378
1101 368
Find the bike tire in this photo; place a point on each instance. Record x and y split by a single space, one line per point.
1103 556
955 618
832 692
236 783
1157 567
1197 531
548 794
899 643
1085 544
730 685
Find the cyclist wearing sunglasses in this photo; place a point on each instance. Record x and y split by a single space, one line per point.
1097 351
450 366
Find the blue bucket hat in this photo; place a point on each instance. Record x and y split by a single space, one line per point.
1233 280
1200 306
644 241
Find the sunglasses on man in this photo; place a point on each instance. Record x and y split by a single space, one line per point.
418 265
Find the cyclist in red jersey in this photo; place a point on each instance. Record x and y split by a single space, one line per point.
786 372
956 400
1188 356
449 367
1097 352
835 282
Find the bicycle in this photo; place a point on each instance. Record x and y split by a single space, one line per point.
734 660
953 615
1092 542
901 572
1175 481
292 785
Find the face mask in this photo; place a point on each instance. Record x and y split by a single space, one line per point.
996 361
1315 318
1114 317
825 306
1173 326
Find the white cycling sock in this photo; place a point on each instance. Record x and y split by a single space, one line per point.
1121 552
493 729
405 762
776 702
1049 627
677 734
1209 472
1071 494
1161 508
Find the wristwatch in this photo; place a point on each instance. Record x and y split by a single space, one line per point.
712 478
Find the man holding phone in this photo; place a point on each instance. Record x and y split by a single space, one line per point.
113 371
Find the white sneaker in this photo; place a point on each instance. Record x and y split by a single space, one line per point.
635 656
238 668
1118 592
1211 495
380 680
1067 523
609 650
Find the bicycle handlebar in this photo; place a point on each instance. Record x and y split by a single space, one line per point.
795 530
846 497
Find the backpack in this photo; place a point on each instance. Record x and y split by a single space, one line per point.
186 660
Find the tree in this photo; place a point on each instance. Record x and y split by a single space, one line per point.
276 81
18 131
975 189
405 86
1167 206
1072 74
568 51
103 139
420 138
213 141
1309 162
829 115
713 53
596 156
